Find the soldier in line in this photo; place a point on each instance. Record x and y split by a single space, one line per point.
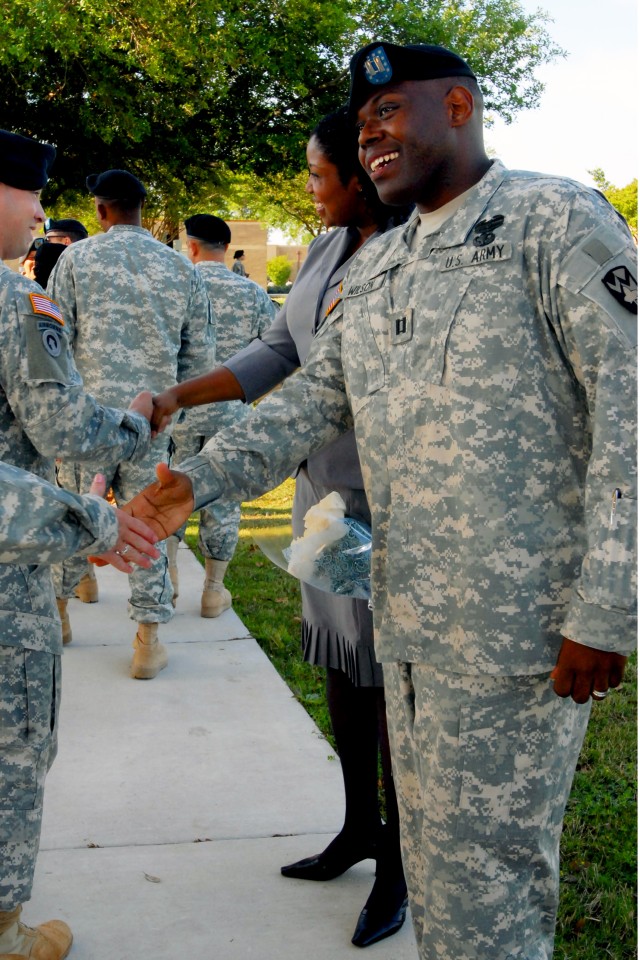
243 312
64 231
137 312
44 411
485 353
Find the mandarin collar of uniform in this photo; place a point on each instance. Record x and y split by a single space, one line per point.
211 265
453 232
126 227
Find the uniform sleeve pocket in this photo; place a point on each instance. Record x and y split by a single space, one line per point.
609 574
46 353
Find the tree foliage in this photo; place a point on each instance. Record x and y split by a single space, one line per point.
624 199
183 91
279 270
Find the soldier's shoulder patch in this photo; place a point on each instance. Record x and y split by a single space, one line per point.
622 285
45 306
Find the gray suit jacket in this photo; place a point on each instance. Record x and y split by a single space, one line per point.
284 347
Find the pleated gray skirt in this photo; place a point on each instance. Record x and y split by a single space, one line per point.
336 631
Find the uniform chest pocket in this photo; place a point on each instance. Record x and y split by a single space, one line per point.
478 343
363 343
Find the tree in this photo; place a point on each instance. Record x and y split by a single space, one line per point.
279 270
178 91
624 199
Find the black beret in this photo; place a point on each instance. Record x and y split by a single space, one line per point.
65 226
380 63
24 163
116 185
204 226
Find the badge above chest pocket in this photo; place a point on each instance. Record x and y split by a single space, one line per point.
479 339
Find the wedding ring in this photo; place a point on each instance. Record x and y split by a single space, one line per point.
125 549
600 694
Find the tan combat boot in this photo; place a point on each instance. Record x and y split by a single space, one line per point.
172 557
63 613
49 941
150 656
87 589
215 596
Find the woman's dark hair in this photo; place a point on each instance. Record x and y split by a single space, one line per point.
47 255
338 139
238 254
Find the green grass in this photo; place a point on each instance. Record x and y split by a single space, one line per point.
597 918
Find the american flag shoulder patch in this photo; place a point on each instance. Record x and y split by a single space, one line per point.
46 306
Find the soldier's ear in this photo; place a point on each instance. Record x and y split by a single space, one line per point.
460 104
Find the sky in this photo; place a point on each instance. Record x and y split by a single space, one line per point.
587 116
588 113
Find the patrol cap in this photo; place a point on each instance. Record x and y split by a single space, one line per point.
380 63
206 227
65 226
24 163
116 185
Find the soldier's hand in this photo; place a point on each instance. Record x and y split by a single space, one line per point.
143 404
582 672
135 543
164 505
164 407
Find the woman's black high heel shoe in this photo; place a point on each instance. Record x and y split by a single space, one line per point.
386 908
332 862
382 915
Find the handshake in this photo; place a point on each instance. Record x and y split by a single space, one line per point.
158 510
153 514
158 410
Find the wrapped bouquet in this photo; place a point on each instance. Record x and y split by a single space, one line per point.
334 553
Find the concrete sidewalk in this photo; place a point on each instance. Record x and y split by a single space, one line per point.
173 802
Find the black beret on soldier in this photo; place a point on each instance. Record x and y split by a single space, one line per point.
66 225
380 63
210 229
24 163
116 185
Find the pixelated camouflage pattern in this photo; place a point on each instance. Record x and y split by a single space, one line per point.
45 412
151 590
40 523
493 389
242 312
137 311
29 706
483 768
218 531
139 319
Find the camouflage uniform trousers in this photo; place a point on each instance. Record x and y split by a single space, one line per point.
151 590
29 705
483 768
220 520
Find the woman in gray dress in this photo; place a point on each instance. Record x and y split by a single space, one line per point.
337 632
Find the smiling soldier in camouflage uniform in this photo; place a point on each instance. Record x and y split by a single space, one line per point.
44 411
486 353
138 314
242 311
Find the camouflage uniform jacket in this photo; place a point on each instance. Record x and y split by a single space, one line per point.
137 311
490 373
42 523
243 312
45 412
